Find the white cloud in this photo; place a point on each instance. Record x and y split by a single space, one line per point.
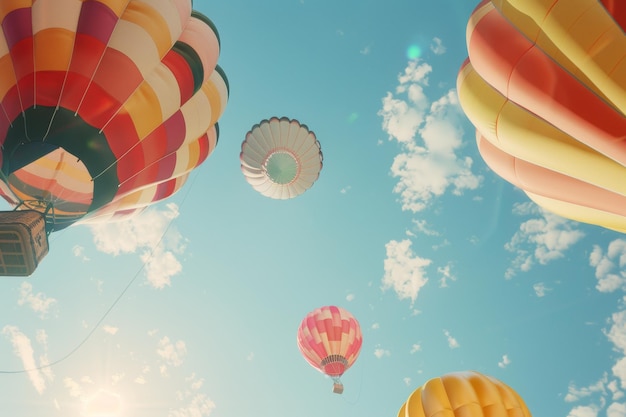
23 349
172 353
407 381
504 362
416 348
540 289
541 239
73 387
350 297
610 266
437 46
375 326
366 51
404 272
79 252
616 410
379 352
146 232
446 275
430 135
584 411
39 303
452 342
199 406
422 227
112 330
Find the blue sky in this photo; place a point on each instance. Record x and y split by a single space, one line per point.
445 265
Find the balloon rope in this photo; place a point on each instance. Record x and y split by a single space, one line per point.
113 304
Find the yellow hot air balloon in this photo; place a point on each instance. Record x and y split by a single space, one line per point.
545 86
464 394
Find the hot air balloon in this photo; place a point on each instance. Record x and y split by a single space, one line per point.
107 105
467 394
330 339
545 87
281 158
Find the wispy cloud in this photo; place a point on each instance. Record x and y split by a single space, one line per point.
39 303
421 226
404 271
610 266
146 233
608 392
437 46
452 342
542 239
23 349
540 289
584 411
380 352
430 135
112 330
575 393
195 403
504 362
172 353
415 348
446 275
79 252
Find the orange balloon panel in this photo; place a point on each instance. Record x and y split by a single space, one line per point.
464 394
107 105
545 86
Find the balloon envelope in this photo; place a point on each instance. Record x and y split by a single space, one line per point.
330 339
545 86
467 394
281 158
107 104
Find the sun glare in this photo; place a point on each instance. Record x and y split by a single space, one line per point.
103 404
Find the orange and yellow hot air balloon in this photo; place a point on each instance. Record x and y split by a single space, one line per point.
330 339
467 394
545 87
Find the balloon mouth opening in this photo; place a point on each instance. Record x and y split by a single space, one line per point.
60 172
281 167
334 365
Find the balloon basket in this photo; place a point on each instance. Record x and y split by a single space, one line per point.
23 242
338 388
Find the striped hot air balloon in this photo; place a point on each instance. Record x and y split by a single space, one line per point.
107 105
467 394
545 86
330 339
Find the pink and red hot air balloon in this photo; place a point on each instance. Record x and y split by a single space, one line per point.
330 339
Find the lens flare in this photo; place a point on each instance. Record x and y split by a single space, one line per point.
103 404
413 52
